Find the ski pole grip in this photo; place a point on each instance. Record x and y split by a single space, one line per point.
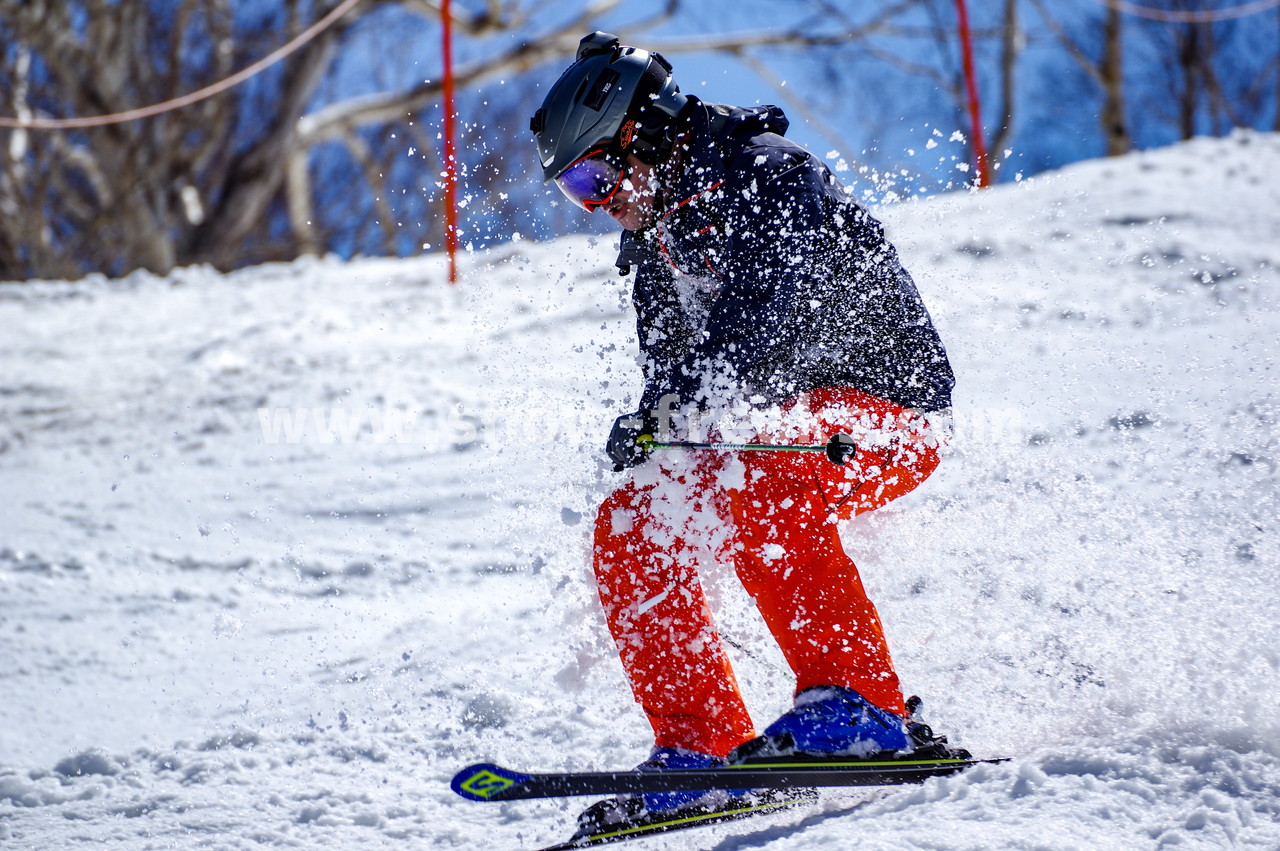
840 448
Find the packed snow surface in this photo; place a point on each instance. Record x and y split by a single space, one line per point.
281 550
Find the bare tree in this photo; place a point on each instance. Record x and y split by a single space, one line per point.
1115 126
1195 58
186 186
1202 68
292 162
1105 66
946 71
1012 39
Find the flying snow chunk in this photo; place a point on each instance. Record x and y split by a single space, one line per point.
772 552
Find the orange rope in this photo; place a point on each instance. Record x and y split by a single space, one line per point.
188 99
1203 16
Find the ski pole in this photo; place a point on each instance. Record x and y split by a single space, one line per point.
839 449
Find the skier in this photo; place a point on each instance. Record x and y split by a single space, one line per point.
770 306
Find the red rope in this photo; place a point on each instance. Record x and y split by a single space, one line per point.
971 86
450 151
1203 16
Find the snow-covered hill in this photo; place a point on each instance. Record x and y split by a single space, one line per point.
280 550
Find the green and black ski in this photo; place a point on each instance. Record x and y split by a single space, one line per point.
488 782
735 809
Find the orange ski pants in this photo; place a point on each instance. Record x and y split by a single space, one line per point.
773 515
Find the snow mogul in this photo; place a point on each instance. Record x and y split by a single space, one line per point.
770 306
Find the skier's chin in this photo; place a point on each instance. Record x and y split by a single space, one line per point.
631 215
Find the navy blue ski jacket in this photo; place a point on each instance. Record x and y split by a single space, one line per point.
763 278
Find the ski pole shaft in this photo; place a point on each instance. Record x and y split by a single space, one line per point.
747 447
839 449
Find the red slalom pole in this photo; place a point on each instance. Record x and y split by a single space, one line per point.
971 86
450 149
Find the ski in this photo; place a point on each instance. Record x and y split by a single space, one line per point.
489 782
734 810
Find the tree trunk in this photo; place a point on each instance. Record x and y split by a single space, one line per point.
298 197
1115 125
1011 40
1189 65
1275 122
257 175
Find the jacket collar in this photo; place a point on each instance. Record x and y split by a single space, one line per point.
702 169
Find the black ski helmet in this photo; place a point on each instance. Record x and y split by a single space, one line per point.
619 98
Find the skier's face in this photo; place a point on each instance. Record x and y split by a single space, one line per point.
632 206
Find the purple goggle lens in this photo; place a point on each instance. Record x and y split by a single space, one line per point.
591 181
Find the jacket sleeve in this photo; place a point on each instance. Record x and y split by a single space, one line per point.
660 322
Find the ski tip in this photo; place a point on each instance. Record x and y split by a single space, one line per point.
485 781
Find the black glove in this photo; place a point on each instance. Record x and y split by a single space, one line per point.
622 448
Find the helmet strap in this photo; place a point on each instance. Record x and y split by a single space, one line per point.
666 171
654 143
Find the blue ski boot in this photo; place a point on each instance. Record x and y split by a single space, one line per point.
630 810
829 721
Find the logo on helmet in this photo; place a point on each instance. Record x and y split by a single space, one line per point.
596 98
626 134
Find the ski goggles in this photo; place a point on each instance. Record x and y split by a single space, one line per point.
593 180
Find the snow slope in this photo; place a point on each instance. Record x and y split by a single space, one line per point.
280 550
